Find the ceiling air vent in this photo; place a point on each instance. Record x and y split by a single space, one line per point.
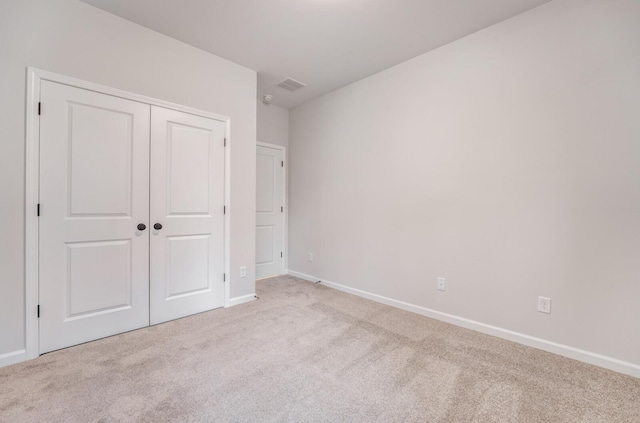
291 84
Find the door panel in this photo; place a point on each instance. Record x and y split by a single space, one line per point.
99 276
94 191
100 161
189 167
269 212
188 265
187 199
265 169
265 241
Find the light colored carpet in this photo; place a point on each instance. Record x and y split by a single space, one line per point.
308 353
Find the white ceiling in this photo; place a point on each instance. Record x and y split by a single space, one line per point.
326 44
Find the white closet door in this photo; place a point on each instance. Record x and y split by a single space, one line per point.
94 192
187 199
269 212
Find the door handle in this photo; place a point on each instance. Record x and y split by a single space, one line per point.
157 226
142 226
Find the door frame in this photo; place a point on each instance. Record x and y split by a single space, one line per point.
32 186
285 214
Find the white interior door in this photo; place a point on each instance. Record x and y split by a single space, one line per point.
187 201
269 212
94 192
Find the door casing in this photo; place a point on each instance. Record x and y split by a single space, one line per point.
32 191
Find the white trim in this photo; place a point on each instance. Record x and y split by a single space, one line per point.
241 300
227 216
13 358
31 224
269 277
285 220
32 178
600 360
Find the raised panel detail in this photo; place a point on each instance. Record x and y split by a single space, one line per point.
187 265
264 184
264 244
188 173
98 277
100 151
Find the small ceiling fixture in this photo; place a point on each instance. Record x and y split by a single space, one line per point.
267 99
291 84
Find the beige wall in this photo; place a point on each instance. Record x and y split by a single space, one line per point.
74 39
507 162
273 124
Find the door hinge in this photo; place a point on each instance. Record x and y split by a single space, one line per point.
224 209
280 254
225 142
281 209
38 210
282 163
224 277
39 108
38 311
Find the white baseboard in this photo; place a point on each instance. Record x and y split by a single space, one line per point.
13 357
241 300
610 363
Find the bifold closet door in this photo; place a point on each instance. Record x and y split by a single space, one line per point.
187 217
94 194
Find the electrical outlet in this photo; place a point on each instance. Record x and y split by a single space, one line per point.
442 284
544 305
243 271
310 257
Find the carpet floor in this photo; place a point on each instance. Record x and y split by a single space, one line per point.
308 353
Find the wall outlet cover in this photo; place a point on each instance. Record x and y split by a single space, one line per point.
243 271
544 305
310 257
442 284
